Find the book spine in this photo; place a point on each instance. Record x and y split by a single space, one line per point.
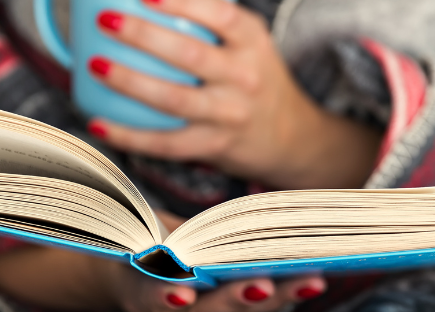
165 249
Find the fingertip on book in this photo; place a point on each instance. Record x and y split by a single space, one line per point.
176 300
307 293
255 294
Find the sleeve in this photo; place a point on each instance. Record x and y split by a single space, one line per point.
407 154
374 84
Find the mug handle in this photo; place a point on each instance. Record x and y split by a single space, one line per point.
50 33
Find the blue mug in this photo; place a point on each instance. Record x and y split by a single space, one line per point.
93 98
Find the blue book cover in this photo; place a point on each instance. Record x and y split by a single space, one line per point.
207 277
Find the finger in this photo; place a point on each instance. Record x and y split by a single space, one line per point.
235 25
210 105
163 297
249 295
205 61
137 292
301 289
176 100
192 143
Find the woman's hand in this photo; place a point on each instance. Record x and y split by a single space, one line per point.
248 118
63 280
137 293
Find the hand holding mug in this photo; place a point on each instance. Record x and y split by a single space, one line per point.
94 99
247 115
248 118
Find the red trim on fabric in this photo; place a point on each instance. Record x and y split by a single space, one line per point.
424 175
408 86
46 68
9 65
416 85
9 61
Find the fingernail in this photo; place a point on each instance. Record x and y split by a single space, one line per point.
151 1
175 300
253 293
100 66
98 130
308 293
111 20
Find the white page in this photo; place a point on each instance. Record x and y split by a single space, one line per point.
21 154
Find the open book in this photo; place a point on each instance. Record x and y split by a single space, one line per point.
55 189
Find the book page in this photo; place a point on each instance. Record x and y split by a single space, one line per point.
20 154
308 224
70 211
33 148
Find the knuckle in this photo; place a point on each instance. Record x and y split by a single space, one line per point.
125 80
192 53
264 44
251 80
117 77
181 154
163 148
175 101
238 117
126 141
136 29
218 146
229 16
260 22
129 82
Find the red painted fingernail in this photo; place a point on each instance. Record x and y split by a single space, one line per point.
308 293
98 130
253 293
152 1
175 300
100 66
111 20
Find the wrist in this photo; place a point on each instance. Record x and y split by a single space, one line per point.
323 150
298 147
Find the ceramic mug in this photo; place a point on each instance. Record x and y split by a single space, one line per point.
87 40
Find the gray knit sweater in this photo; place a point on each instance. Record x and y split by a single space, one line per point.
299 25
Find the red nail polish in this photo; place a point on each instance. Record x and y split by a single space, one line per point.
175 300
152 1
100 66
98 130
308 293
111 20
255 294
